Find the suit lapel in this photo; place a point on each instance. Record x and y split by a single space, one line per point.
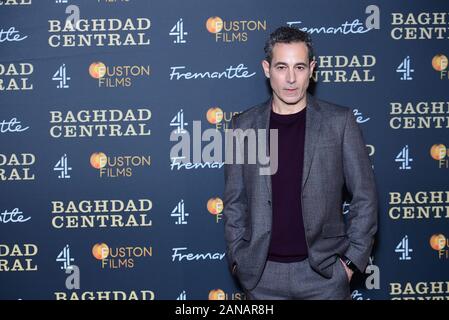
313 125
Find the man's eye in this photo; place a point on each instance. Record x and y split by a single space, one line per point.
300 68
281 67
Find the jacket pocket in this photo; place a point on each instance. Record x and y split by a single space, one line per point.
326 143
333 230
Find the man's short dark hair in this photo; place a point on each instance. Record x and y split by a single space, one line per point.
287 35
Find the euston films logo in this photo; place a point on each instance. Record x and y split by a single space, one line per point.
215 207
219 118
99 32
219 294
231 31
16 76
117 166
420 26
120 257
95 214
439 64
117 76
440 153
100 123
420 205
440 244
419 115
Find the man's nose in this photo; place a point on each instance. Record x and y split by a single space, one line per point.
291 76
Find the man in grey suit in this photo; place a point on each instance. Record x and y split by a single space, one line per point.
286 235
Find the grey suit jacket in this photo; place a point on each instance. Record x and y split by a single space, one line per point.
336 164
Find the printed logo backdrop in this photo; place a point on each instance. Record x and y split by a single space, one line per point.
94 206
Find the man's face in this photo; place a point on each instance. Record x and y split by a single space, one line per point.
289 72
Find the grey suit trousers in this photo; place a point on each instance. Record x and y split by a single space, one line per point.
298 281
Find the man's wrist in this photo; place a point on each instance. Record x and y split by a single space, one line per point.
348 262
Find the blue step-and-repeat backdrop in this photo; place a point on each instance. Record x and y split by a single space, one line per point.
93 204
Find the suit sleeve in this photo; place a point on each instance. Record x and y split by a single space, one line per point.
362 220
235 200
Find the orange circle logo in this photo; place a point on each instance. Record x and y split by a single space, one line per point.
215 206
438 242
98 160
439 62
217 294
100 251
214 24
438 151
97 70
214 115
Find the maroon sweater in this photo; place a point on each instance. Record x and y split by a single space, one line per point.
288 242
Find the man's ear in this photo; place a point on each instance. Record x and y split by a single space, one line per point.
312 67
266 68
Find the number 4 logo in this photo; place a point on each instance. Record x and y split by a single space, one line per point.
404 249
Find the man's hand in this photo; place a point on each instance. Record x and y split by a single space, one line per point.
349 272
